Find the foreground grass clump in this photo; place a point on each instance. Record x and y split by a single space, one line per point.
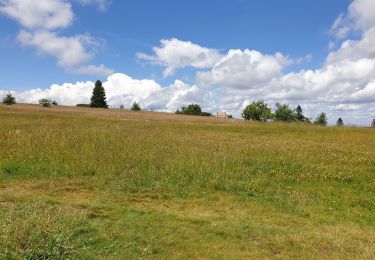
89 183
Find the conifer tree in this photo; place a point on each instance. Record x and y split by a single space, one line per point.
300 116
340 122
98 98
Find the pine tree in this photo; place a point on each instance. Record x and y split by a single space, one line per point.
340 122
98 98
9 99
300 116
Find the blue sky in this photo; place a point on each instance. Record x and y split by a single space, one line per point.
224 53
293 27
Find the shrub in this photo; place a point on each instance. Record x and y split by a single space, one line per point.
136 107
373 123
45 102
258 111
9 99
321 119
54 103
206 114
83 105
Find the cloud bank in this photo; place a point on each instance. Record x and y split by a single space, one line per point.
228 80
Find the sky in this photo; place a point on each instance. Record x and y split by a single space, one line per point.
221 54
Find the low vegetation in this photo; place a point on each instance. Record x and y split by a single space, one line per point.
192 110
96 183
136 107
9 100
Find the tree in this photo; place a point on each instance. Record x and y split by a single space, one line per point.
45 102
9 100
54 103
192 109
258 111
299 114
98 98
136 107
321 119
340 122
284 113
373 123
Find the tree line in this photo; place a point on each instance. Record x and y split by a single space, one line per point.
256 111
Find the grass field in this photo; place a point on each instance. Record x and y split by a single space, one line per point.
91 183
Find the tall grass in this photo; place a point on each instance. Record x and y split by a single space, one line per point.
140 168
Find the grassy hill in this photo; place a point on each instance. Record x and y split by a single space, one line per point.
91 183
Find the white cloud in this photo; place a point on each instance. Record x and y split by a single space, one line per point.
40 19
40 14
175 54
355 49
69 51
363 13
120 88
244 69
94 70
360 16
101 4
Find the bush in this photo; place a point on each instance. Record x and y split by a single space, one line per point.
9 99
45 102
83 105
136 107
206 114
258 111
373 123
321 119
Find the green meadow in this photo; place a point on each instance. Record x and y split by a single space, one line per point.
83 183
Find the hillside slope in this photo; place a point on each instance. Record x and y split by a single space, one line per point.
92 183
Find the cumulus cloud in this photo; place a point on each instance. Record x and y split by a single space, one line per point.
175 54
121 89
39 20
360 16
355 49
244 69
41 14
69 51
